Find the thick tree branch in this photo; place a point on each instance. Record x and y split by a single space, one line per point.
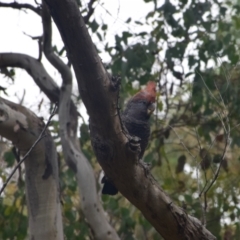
19 6
28 153
47 46
114 152
23 128
63 69
35 69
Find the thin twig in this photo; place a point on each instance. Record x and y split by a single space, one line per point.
182 142
19 6
227 131
211 94
218 170
30 150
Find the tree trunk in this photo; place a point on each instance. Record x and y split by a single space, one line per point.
23 127
115 150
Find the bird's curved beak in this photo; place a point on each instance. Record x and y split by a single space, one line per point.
151 108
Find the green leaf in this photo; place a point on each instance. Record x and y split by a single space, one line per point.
94 25
84 132
125 36
9 158
129 20
104 27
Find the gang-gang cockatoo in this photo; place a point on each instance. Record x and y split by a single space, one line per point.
136 120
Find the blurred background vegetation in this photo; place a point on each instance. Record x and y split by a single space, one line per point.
191 49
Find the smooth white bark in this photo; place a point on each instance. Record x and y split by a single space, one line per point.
23 127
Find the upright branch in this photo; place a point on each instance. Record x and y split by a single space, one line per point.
47 46
23 128
73 155
90 203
